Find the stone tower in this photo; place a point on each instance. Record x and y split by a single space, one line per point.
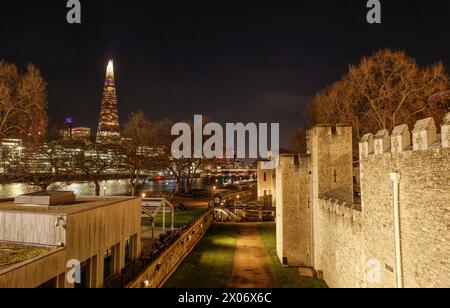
266 184
293 210
326 171
331 175
108 126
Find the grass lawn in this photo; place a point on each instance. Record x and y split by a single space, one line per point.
182 218
283 277
211 262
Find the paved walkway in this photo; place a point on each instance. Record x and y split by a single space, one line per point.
250 268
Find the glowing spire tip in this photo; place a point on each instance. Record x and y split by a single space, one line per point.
110 68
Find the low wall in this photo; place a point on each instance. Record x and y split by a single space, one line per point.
36 271
165 265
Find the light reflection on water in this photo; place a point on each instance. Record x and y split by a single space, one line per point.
108 188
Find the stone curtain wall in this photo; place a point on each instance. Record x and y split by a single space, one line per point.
339 244
422 159
347 239
293 210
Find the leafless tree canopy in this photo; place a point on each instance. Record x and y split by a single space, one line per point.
381 91
94 161
148 147
23 103
298 139
44 165
135 148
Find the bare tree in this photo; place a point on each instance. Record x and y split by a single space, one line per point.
396 90
185 169
23 103
44 165
382 91
94 161
298 139
137 153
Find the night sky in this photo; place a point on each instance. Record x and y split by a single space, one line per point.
231 61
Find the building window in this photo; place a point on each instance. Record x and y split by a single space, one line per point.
108 264
129 248
51 284
265 177
85 276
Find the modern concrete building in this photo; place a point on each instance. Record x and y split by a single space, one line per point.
46 240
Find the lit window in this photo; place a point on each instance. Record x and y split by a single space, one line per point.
129 247
108 264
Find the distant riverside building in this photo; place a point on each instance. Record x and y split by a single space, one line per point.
108 126
10 149
81 133
64 130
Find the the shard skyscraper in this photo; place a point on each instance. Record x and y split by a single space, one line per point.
108 126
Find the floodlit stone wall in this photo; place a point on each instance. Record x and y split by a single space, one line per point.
293 210
355 245
339 244
422 160
337 238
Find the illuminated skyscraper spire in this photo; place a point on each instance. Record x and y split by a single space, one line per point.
108 126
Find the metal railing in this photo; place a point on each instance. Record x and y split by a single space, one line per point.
137 267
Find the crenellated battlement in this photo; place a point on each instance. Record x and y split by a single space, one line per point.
424 137
348 211
294 160
319 224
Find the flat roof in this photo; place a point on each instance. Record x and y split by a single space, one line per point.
81 204
12 254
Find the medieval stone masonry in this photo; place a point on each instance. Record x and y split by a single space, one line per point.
396 234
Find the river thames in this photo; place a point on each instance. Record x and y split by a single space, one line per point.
108 188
